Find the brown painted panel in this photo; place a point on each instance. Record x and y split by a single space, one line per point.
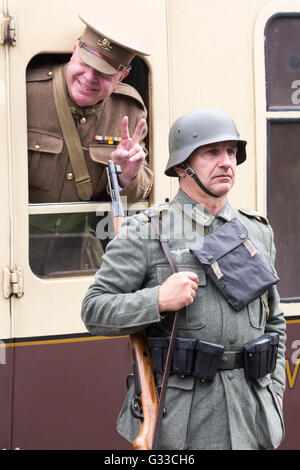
68 395
291 402
5 396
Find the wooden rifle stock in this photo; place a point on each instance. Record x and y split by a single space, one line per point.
140 348
140 351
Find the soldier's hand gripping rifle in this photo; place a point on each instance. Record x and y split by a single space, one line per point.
145 405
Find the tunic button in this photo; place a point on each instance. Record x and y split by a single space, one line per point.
37 147
50 74
83 120
69 176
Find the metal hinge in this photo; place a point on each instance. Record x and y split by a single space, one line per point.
13 282
8 30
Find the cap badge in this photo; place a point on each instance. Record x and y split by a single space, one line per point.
104 44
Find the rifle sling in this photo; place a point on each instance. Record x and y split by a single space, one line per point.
82 178
165 246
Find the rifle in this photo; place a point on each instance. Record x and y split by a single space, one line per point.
145 405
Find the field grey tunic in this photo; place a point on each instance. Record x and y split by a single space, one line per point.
231 412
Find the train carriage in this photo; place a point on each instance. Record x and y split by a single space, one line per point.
60 387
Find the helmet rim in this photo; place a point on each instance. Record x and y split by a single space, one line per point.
199 128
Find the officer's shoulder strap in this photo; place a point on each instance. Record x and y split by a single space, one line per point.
255 214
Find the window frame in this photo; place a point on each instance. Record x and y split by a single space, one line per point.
265 115
94 206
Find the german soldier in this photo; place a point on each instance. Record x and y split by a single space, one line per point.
226 397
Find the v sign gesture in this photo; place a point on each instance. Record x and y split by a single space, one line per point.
129 154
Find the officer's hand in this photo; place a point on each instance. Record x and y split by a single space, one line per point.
129 153
177 291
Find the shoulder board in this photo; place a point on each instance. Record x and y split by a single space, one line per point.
128 90
155 211
256 215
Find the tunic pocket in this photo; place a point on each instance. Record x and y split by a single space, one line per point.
101 153
257 313
190 317
270 425
43 149
178 406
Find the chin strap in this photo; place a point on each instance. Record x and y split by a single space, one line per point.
189 171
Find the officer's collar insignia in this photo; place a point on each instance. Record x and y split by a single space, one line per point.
104 44
201 216
78 113
178 254
107 140
225 212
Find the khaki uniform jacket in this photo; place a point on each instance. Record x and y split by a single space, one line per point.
51 176
231 412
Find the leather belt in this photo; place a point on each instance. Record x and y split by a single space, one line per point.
231 360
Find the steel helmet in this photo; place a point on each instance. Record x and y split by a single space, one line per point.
197 128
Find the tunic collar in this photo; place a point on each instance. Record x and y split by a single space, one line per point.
198 213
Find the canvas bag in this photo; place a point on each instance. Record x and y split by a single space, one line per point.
234 264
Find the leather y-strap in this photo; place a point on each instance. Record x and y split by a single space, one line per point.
156 222
82 178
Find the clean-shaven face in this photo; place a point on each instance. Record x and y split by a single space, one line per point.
215 165
87 86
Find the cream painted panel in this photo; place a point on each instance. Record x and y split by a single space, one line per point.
53 307
5 197
211 66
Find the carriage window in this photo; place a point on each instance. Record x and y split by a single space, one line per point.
68 241
283 62
65 244
283 202
283 142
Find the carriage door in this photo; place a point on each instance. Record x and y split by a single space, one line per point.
6 260
52 250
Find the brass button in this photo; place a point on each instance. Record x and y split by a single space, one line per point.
50 74
69 176
37 147
83 120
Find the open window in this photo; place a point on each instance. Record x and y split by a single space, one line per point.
69 239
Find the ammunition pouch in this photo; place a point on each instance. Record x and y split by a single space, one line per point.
207 360
190 357
260 356
202 359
